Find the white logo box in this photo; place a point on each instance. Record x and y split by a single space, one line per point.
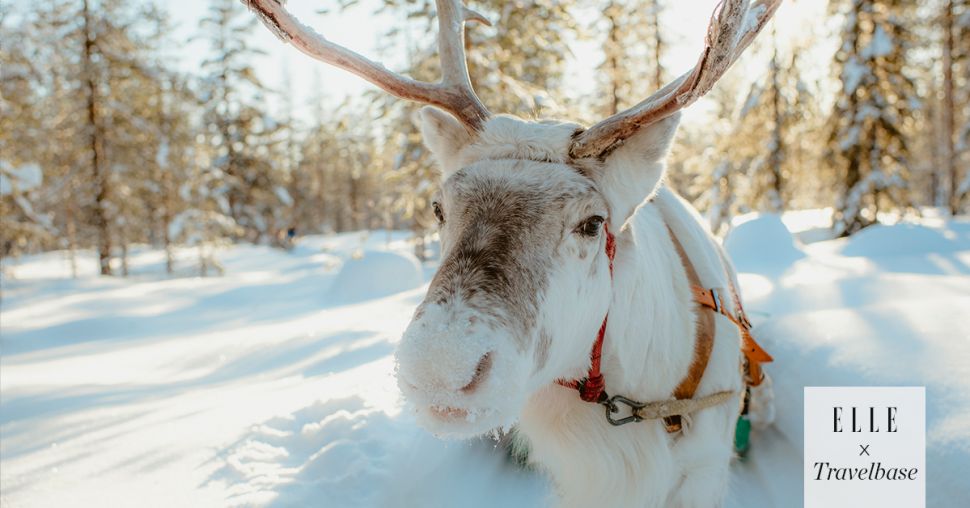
865 446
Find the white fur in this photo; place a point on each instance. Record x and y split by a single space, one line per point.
648 349
649 343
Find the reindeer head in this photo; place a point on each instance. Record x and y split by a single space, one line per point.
524 281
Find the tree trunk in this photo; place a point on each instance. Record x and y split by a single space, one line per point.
203 265
853 172
71 227
934 164
97 150
167 224
354 202
614 106
124 257
949 158
778 136
658 76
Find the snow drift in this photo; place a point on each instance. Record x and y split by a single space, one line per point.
900 240
762 244
374 274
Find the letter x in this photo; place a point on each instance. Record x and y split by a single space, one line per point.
865 450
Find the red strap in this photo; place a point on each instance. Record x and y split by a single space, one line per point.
593 386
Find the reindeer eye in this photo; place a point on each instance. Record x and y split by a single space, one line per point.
438 214
591 226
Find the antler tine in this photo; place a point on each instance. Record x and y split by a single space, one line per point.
732 28
453 93
452 16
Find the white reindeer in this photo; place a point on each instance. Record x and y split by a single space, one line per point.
530 216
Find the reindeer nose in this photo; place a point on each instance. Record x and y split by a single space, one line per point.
444 355
481 372
442 377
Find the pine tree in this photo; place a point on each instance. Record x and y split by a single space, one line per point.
955 27
92 51
773 125
633 47
314 210
170 152
21 226
518 67
705 168
202 224
868 142
242 134
89 80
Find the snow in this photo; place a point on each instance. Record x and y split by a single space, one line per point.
284 196
852 74
195 227
19 179
161 156
274 384
881 241
761 243
373 274
880 45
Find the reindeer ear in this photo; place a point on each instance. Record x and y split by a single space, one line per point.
632 172
444 136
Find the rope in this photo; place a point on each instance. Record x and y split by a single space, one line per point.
681 407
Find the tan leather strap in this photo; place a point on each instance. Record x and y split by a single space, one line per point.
703 343
754 354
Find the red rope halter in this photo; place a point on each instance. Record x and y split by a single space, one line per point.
592 388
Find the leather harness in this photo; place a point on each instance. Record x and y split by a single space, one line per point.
592 388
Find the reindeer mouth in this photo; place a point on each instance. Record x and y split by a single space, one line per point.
452 414
453 422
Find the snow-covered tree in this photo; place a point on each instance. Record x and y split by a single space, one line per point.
21 226
175 155
704 167
241 131
88 69
202 222
773 128
867 142
518 65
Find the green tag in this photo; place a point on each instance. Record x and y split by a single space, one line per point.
742 436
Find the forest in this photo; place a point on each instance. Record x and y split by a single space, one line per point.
106 143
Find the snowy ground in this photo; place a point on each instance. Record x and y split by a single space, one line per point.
273 385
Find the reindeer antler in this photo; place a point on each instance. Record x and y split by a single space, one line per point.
453 93
733 26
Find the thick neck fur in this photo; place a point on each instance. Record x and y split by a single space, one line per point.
648 349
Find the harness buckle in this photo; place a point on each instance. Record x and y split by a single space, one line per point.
743 318
718 304
612 407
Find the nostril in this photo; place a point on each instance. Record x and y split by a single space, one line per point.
481 372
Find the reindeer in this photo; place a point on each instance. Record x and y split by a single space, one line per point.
565 257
